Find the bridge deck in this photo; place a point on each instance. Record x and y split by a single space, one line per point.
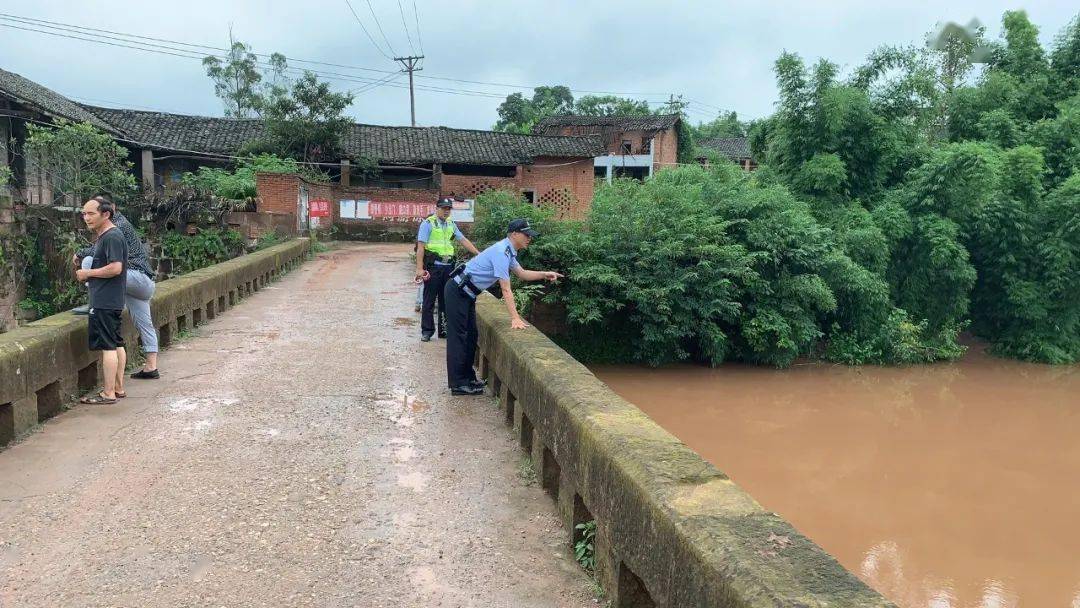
299 450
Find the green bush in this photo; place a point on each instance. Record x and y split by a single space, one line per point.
205 248
239 184
705 264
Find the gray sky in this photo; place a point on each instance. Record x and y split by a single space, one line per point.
717 54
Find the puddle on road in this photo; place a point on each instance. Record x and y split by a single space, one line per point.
190 404
414 480
404 453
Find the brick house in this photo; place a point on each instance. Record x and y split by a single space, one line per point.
418 163
736 149
23 101
635 146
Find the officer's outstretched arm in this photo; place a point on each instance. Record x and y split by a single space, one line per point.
516 322
536 275
468 245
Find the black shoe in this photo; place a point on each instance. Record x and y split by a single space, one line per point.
468 389
425 337
142 374
442 335
81 310
479 383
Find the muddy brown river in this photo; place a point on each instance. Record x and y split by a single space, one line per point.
944 486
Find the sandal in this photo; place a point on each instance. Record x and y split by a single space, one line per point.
120 395
97 399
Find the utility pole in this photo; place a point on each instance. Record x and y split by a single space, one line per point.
675 104
409 63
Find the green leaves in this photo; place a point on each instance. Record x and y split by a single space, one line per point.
584 547
81 161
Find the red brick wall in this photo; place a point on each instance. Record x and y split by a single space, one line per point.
470 186
566 186
276 192
665 149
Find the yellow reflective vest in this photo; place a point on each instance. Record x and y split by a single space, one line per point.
441 241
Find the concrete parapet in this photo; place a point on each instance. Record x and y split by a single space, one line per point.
672 530
44 363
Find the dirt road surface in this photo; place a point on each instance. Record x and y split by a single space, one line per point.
299 450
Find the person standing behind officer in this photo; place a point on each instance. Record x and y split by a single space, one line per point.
492 265
434 261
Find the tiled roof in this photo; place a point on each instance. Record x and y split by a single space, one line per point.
551 124
446 145
736 148
394 145
48 102
181 132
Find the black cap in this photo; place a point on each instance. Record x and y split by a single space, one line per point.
446 203
522 225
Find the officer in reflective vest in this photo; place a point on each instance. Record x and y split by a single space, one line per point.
492 266
434 261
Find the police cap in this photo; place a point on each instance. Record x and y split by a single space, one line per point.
522 225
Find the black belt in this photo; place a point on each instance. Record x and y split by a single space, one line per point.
467 286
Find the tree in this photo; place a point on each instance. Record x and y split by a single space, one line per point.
1065 61
611 105
518 114
80 161
817 115
727 124
308 123
238 79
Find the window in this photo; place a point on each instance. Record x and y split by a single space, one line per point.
530 196
627 146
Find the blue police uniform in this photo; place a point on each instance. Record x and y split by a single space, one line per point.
481 272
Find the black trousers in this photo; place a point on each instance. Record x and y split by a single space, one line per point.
433 289
461 336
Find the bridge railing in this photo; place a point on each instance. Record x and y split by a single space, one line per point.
45 363
671 529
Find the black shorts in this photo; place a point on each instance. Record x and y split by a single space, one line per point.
105 329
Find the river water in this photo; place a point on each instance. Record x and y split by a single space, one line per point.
944 486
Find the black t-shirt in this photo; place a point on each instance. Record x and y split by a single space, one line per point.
108 294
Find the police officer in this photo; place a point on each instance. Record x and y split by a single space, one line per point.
434 261
492 266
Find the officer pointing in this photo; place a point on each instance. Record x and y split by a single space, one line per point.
434 261
492 266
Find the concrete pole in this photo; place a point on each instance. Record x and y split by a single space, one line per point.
345 177
148 170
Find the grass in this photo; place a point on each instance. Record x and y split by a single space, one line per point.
527 471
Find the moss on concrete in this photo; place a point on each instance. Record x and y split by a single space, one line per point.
691 535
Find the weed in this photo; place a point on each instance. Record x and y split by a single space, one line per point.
584 549
526 471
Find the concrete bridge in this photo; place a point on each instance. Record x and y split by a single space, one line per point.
301 449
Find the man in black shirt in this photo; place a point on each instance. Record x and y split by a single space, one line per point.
107 278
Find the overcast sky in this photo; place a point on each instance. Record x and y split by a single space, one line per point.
716 54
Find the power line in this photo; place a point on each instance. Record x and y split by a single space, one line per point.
161 49
376 85
379 25
98 31
126 40
407 35
368 34
416 17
